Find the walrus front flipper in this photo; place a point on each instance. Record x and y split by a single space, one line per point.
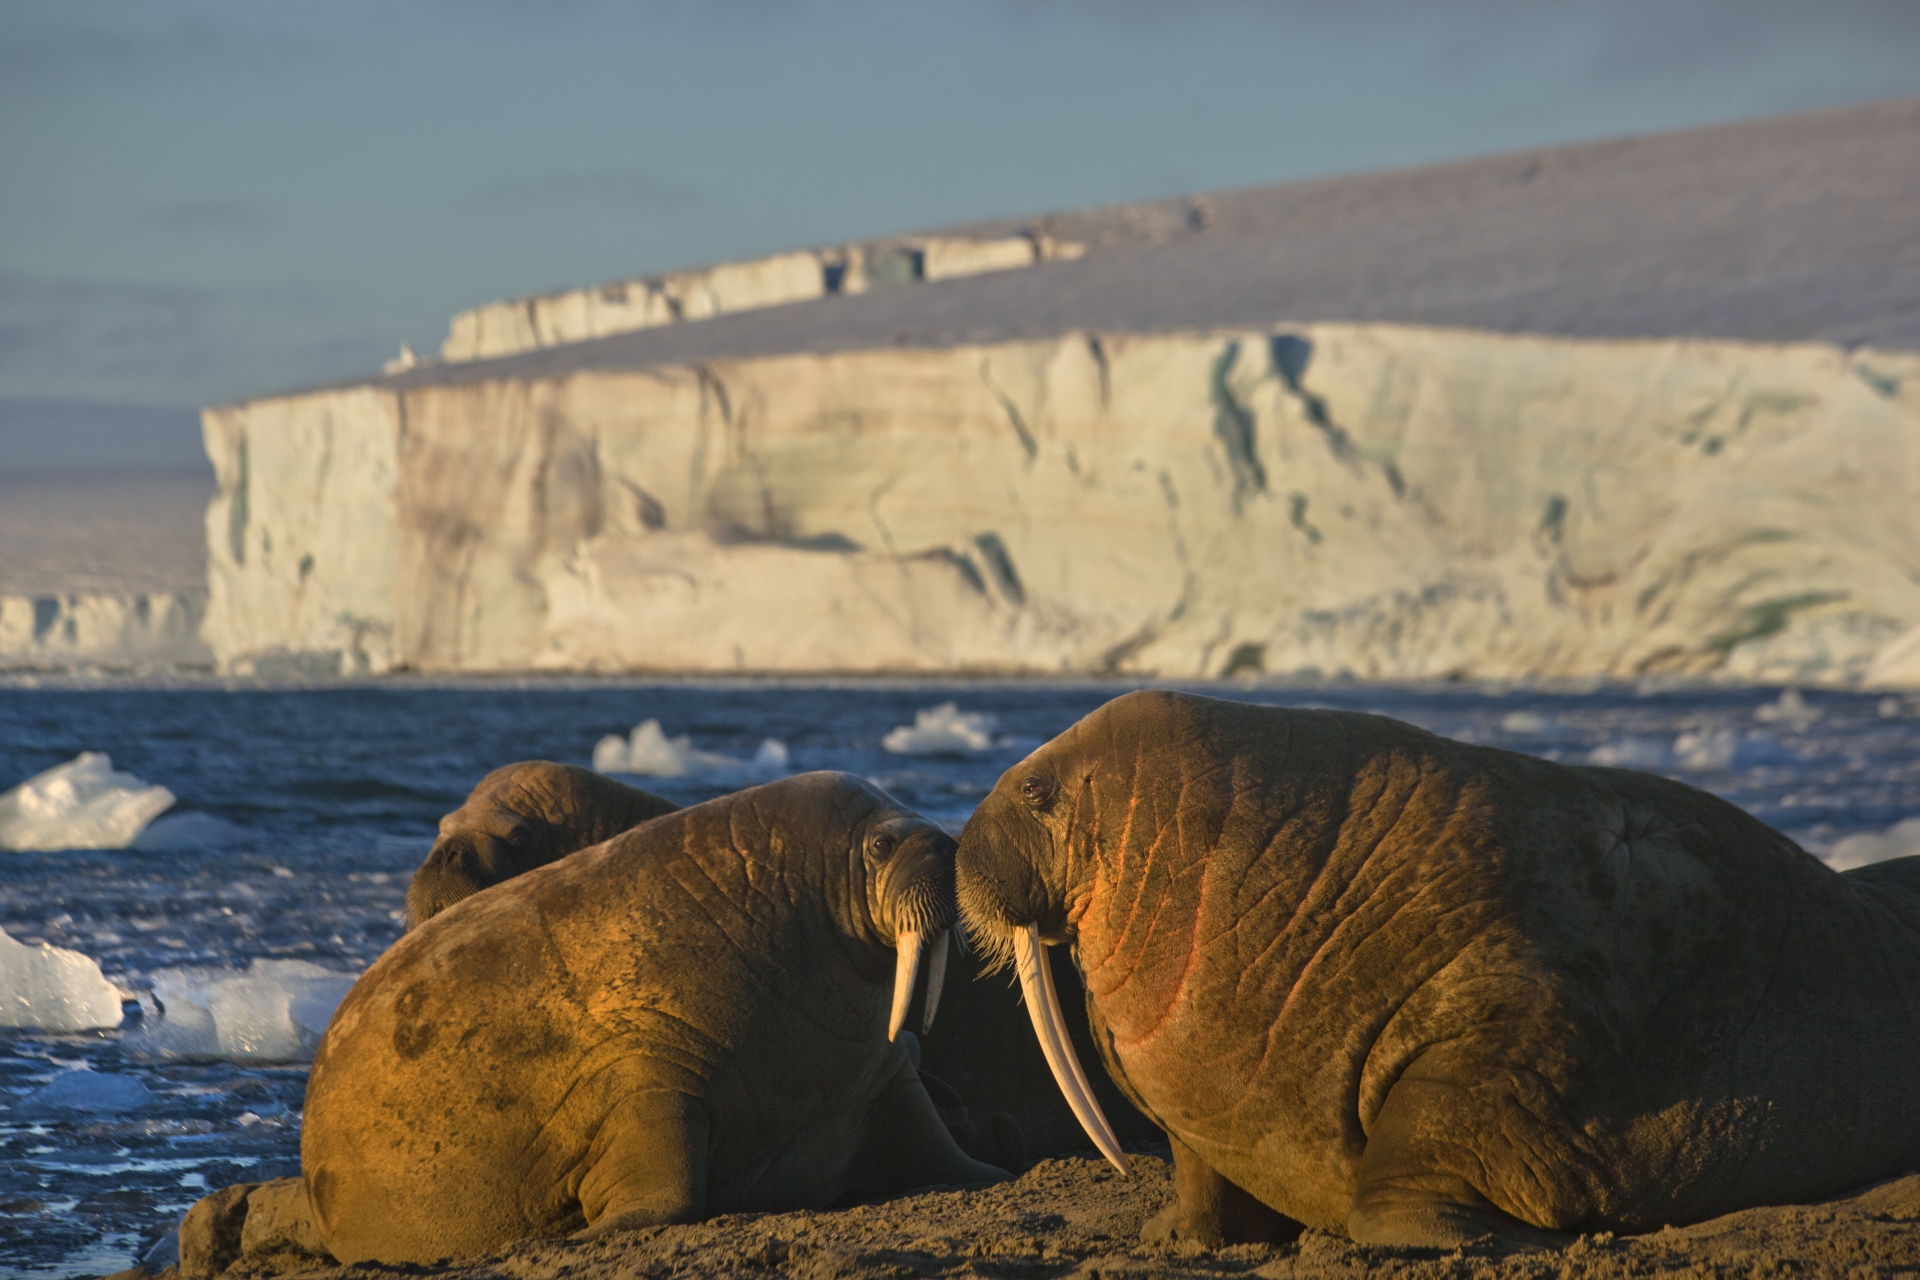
647 1165
1410 1190
911 1145
1207 1209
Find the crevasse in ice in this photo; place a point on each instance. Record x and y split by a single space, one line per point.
82 804
649 751
944 730
53 989
273 1011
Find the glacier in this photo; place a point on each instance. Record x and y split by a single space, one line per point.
111 630
83 804
1383 502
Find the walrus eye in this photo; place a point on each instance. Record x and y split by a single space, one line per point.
1037 791
519 837
883 846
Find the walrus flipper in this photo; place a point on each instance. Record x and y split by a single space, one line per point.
1209 1210
1411 1191
911 1145
648 1164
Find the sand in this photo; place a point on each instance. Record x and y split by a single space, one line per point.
1074 1217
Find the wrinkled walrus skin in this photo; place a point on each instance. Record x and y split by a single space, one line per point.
519 817
688 1019
1418 991
529 814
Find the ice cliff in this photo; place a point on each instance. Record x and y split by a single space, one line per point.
1393 502
112 630
574 315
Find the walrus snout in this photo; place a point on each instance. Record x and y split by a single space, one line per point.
457 867
911 861
1009 909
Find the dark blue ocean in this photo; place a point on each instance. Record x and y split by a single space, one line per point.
326 799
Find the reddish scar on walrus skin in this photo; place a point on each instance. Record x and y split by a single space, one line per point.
1378 982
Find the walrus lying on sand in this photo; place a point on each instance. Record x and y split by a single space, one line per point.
1375 981
691 1018
519 817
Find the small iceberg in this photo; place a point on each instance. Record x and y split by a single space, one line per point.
1791 710
272 1011
179 832
1868 847
82 804
94 1092
53 989
649 751
944 730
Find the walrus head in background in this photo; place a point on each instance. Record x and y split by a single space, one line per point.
519 817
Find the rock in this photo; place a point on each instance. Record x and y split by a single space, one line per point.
260 1227
210 1234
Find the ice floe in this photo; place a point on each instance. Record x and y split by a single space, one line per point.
272 1011
184 831
944 730
95 1092
648 750
83 804
1790 710
53 989
1867 847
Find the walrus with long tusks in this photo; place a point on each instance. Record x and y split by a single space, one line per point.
519 817
1378 982
694 1017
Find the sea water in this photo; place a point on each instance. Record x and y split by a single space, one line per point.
231 926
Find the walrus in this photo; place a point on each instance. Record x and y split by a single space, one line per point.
688 1019
1381 983
519 817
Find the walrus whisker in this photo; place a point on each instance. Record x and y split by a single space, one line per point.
936 977
906 967
1043 1006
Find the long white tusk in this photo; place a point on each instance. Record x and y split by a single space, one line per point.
936 977
906 967
1043 1006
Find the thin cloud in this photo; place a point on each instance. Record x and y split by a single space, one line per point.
216 216
617 190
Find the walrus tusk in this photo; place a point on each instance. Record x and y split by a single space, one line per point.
906 967
936 977
1043 1006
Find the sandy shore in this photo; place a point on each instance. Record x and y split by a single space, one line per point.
1074 1217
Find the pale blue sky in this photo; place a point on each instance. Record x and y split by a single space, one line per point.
201 201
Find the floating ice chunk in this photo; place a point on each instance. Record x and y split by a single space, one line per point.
53 989
185 831
87 1090
944 730
1706 750
648 750
1524 722
1791 710
82 804
273 1011
1629 753
1867 847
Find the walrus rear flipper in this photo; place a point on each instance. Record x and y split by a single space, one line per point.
647 1165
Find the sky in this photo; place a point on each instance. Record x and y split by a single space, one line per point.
203 201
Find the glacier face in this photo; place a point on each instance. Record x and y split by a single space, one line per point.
111 630
1385 501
